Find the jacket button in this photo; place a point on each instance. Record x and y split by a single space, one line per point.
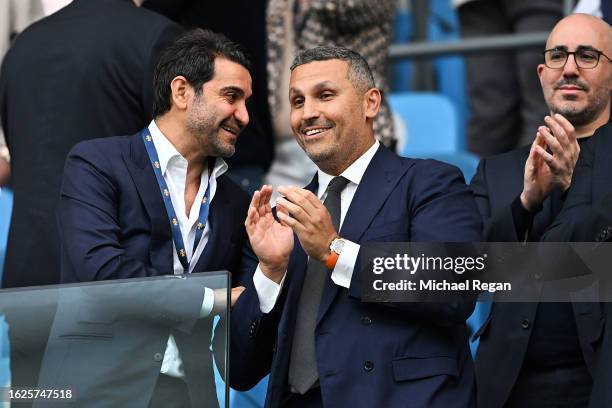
366 320
525 324
158 357
368 366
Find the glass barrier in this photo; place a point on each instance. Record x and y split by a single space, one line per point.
150 342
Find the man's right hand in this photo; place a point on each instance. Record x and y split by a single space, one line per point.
271 241
546 170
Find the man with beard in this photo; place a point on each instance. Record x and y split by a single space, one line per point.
320 342
151 204
544 354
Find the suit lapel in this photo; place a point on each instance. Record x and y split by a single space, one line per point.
140 170
379 180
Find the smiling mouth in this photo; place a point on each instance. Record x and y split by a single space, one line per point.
231 130
315 131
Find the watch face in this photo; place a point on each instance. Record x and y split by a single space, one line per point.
337 245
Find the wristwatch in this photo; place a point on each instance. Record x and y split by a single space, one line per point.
335 249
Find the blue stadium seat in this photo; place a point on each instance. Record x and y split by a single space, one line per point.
429 123
476 321
427 127
450 75
6 207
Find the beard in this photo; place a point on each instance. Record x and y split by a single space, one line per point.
580 116
577 115
204 124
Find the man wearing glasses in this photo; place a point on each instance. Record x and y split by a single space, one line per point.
543 354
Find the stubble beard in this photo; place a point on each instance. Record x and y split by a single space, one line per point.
582 116
202 124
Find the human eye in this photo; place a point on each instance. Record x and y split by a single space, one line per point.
588 55
326 95
297 101
557 55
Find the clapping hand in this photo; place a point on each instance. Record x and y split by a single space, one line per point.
545 170
309 219
271 240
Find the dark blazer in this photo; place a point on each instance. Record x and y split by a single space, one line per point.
504 337
373 355
586 213
113 225
587 216
81 73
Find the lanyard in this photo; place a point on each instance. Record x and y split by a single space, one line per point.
174 224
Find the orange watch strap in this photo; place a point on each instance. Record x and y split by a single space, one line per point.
331 260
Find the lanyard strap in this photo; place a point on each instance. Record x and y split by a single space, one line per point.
177 237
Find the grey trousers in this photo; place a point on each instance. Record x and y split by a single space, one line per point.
505 96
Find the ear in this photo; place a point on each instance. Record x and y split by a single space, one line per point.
371 102
181 92
540 70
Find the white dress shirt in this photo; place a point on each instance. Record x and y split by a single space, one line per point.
173 167
268 290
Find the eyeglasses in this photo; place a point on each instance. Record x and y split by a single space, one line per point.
585 58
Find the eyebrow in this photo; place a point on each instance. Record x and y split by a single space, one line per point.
317 88
579 48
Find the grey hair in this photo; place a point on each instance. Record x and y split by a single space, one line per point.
359 73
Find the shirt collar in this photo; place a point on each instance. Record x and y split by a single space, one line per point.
353 173
166 151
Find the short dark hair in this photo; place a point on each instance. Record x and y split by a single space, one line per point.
191 55
359 74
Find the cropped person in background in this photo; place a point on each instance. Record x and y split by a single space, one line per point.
505 99
15 16
69 78
544 354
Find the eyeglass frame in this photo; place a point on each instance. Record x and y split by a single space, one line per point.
573 53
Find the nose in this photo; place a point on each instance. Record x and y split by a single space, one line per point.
571 68
241 114
310 109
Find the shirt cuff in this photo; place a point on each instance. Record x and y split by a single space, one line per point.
207 303
267 290
343 271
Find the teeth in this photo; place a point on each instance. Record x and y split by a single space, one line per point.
228 129
314 131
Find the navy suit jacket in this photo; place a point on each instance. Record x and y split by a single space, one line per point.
504 337
114 225
411 354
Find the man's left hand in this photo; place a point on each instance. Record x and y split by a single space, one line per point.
309 219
